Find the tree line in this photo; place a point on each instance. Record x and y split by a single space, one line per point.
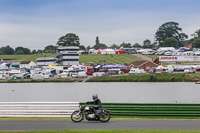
168 34
7 50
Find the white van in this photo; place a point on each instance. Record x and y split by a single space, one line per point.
134 71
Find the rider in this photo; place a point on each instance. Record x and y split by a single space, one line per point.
97 104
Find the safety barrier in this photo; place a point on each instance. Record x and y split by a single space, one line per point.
64 109
153 110
37 109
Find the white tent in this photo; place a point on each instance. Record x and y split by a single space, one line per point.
107 51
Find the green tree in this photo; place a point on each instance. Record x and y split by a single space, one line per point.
7 50
168 30
82 47
33 52
97 46
196 43
69 39
137 45
154 45
125 45
97 40
50 49
27 51
147 44
22 50
114 45
19 52
88 47
39 51
170 42
196 33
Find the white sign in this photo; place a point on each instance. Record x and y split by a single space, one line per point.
179 58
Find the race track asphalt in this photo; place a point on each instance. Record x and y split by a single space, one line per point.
19 125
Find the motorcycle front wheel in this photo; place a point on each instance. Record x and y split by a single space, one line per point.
104 117
77 116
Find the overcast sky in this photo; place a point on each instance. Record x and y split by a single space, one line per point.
37 23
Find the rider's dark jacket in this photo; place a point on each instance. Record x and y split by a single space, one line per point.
97 103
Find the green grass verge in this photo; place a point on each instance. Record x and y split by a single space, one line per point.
154 56
173 77
105 131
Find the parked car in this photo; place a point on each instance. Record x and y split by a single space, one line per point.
168 53
152 52
26 75
74 75
197 69
160 53
190 70
152 70
82 74
111 73
134 71
100 74
64 75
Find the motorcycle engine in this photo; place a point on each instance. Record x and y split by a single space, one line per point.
91 116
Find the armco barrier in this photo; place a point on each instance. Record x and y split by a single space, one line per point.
153 110
37 109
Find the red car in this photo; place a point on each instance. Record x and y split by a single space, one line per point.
198 69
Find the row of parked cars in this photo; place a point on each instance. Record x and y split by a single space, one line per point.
107 72
172 53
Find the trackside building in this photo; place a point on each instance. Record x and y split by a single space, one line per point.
67 55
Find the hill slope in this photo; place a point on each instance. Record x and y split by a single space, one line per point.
86 59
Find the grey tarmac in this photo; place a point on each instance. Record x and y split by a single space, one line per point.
34 125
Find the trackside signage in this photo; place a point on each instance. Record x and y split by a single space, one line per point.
179 58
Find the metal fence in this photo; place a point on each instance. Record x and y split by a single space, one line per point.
37 109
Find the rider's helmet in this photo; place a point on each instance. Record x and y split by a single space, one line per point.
94 96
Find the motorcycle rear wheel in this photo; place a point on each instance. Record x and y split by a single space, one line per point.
104 117
77 116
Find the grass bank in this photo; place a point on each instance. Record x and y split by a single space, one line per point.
173 77
20 58
86 59
106 131
107 59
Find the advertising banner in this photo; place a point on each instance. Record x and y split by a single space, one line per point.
178 58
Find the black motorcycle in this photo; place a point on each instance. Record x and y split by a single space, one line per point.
88 113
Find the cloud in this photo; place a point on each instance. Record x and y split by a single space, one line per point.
116 22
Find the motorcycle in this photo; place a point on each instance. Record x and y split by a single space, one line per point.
89 114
